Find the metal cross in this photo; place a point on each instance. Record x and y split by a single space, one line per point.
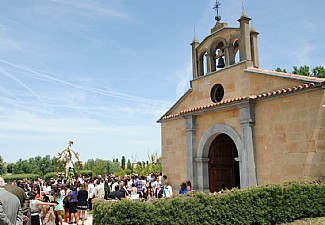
216 7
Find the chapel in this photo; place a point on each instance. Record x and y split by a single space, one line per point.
239 125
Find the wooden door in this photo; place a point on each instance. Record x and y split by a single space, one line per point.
223 169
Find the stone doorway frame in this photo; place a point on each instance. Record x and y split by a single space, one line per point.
245 158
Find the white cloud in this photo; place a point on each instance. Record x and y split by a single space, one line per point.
90 9
308 25
305 46
185 76
4 72
302 54
100 91
44 135
8 44
21 121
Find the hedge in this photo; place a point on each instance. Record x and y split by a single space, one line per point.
86 173
49 175
9 178
259 205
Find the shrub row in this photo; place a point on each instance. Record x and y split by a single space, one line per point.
9 178
261 205
86 173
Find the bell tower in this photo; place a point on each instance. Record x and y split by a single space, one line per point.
225 46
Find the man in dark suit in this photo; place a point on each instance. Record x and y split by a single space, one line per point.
116 194
10 209
23 198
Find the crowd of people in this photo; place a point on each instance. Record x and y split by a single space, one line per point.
45 202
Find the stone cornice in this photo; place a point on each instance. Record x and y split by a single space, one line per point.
286 75
241 101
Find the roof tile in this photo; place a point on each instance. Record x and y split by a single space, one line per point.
223 102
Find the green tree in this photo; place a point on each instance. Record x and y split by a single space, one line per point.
303 70
98 166
89 165
115 166
2 167
10 167
153 165
280 70
129 165
46 165
123 162
54 164
319 71
101 167
22 166
35 165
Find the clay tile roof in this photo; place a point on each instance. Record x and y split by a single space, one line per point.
286 75
238 99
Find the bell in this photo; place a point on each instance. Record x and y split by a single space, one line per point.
221 63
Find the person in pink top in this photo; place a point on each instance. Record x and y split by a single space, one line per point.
189 185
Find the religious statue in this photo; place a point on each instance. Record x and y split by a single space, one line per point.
67 160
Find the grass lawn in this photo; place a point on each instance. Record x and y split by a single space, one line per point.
313 221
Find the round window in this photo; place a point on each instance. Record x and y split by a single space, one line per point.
217 93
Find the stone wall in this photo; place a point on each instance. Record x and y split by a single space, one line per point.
290 137
174 161
228 117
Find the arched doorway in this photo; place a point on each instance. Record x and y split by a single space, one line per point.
223 168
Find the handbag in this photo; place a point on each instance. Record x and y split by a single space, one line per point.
65 200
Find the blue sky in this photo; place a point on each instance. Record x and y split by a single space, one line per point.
102 72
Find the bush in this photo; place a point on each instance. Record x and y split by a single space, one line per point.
122 172
262 205
86 173
50 175
9 178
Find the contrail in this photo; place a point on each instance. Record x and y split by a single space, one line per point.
93 90
9 94
24 85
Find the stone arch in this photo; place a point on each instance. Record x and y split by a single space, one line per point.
217 43
201 66
235 36
203 152
234 50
